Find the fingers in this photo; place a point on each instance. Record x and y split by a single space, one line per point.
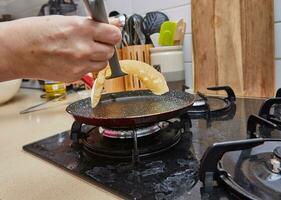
97 66
101 51
106 33
78 71
115 22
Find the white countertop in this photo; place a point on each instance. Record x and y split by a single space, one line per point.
26 177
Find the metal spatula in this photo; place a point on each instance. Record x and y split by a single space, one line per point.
97 11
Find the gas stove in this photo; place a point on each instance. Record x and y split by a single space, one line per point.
215 150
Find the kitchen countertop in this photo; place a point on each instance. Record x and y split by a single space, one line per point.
24 176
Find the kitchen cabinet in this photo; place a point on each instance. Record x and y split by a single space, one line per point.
233 44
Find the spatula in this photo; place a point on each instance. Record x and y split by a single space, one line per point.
180 31
167 33
97 11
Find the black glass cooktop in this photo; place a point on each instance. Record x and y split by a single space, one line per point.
172 174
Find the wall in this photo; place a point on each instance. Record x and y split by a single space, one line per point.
175 9
23 8
28 8
2 7
278 42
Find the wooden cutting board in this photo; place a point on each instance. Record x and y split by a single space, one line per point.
233 44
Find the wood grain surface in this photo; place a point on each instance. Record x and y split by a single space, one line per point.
233 44
204 51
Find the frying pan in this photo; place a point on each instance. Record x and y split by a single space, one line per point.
131 109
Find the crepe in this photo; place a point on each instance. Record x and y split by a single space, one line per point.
150 77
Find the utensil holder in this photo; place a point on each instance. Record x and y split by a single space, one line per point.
129 82
116 84
170 59
140 53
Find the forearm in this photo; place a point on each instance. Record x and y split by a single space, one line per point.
7 70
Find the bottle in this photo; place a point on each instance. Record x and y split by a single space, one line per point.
55 89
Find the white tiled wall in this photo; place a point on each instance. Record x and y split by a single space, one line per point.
2 7
278 73
277 11
174 9
122 6
24 8
28 8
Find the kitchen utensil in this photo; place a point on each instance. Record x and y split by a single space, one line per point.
134 29
97 10
167 33
125 38
155 38
138 30
152 23
131 109
32 108
131 31
8 89
180 31
171 61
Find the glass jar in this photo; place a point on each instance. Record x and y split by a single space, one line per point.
55 89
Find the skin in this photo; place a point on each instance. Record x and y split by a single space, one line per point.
60 48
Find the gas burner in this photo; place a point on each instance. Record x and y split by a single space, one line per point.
244 167
249 169
214 108
96 145
129 144
125 134
271 111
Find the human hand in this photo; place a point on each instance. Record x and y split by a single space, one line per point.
60 48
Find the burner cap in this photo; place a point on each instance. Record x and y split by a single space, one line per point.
255 170
277 152
97 145
125 134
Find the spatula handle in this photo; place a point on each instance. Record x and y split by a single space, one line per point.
97 11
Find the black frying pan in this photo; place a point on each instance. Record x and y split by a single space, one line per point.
131 109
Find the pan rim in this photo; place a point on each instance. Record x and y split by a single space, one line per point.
191 101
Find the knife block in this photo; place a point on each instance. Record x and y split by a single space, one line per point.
116 84
129 82
140 53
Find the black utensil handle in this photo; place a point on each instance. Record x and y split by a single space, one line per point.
97 11
114 64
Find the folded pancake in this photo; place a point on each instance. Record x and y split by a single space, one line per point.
150 77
